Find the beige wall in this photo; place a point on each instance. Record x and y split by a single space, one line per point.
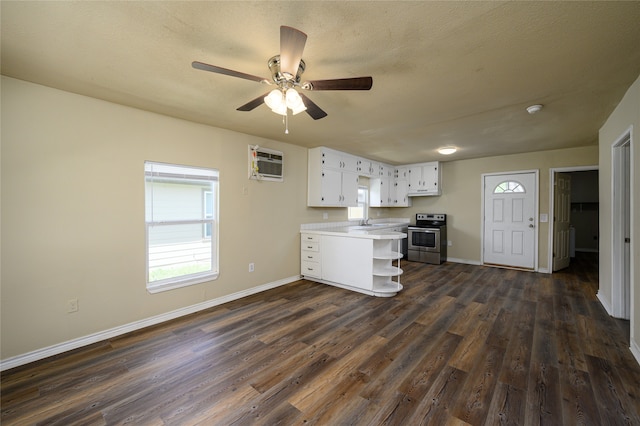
626 115
73 214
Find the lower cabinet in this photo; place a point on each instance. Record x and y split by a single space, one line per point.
360 264
310 265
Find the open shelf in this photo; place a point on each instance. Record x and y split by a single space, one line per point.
387 255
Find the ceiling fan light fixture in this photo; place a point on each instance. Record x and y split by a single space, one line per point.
275 101
448 150
294 102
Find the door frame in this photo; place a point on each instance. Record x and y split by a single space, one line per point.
618 212
536 208
552 190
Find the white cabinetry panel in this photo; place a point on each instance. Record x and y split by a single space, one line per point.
332 179
424 179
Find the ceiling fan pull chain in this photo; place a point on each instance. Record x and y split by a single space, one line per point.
286 123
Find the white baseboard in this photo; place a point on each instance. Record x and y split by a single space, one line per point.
635 350
137 325
465 261
605 303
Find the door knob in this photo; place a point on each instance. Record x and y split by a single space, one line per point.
531 225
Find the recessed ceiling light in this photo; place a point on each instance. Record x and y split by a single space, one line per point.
534 108
447 150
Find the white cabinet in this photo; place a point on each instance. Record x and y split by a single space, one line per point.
332 180
337 160
310 263
400 187
365 265
366 167
424 179
380 187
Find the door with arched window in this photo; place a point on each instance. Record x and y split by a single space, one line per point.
510 220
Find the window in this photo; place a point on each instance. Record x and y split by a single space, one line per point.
508 187
362 211
181 216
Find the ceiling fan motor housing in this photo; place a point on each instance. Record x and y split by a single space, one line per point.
284 79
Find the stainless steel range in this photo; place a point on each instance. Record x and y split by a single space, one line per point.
427 239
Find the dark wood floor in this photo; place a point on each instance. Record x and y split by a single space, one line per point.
460 345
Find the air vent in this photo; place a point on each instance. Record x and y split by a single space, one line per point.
265 164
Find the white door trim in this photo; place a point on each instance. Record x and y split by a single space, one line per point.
552 181
618 291
536 211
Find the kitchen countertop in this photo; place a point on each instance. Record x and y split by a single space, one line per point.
375 231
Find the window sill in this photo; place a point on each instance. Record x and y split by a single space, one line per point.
172 285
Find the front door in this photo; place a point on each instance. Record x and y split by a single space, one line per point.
510 225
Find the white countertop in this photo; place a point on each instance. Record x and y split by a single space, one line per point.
374 231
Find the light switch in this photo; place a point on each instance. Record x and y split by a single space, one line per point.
544 217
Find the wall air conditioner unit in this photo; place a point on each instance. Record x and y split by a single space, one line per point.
265 164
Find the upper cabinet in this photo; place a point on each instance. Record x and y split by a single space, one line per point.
400 188
381 186
424 179
334 176
366 167
332 179
338 160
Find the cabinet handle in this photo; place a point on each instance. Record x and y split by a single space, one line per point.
309 247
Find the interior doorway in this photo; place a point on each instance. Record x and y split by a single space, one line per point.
621 190
574 204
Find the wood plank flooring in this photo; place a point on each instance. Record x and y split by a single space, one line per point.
459 345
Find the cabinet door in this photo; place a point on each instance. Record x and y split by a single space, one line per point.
364 167
430 177
331 159
349 163
415 178
375 192
401 193
350 189
401 173
339 161
331 188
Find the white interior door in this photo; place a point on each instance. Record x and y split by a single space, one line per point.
509 236
561 220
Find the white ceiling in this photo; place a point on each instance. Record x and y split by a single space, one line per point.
444 73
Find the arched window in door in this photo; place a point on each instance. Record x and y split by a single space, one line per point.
508 186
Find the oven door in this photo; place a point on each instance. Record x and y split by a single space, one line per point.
424 239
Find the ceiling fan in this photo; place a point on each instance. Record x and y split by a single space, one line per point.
286 71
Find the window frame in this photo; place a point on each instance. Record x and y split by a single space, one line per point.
168 172
364 205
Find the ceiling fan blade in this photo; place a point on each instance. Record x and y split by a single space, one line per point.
312 109
356 83
251 105
292 43
219 70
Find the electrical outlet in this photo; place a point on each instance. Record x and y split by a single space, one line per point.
251 267
325 215
72 306
449 243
